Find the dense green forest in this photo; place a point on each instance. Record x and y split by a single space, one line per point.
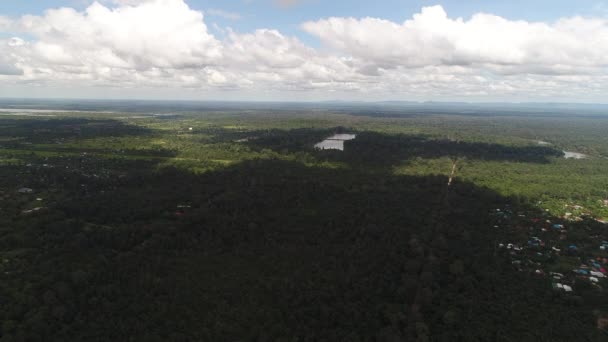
232 226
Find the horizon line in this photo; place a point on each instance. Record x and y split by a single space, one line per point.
420 102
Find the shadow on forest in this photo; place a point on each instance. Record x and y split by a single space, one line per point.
374 147
272 250
369 148
383 149
42 130
54 132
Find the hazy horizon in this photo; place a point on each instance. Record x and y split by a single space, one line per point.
296 101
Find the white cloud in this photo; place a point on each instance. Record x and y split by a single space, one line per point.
159 33
8 60
166 44
432 38
5 23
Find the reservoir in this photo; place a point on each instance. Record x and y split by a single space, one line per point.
335 142
574 155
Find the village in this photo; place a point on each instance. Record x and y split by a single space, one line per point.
570 251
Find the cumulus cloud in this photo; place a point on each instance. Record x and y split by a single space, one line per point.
8 61
160 33
432 38
166 44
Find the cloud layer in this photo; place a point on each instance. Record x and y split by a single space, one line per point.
166 44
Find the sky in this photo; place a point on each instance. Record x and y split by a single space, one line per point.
306 50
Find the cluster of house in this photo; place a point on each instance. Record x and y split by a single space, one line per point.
89 172
181 209
43 165
535 253
603 220
33 210
93 171
575 213
594 270
557 277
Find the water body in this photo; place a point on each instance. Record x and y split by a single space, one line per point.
335 142
21 111
567 154
27 114
574 155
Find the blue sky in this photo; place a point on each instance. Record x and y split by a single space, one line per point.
391 9
520 51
